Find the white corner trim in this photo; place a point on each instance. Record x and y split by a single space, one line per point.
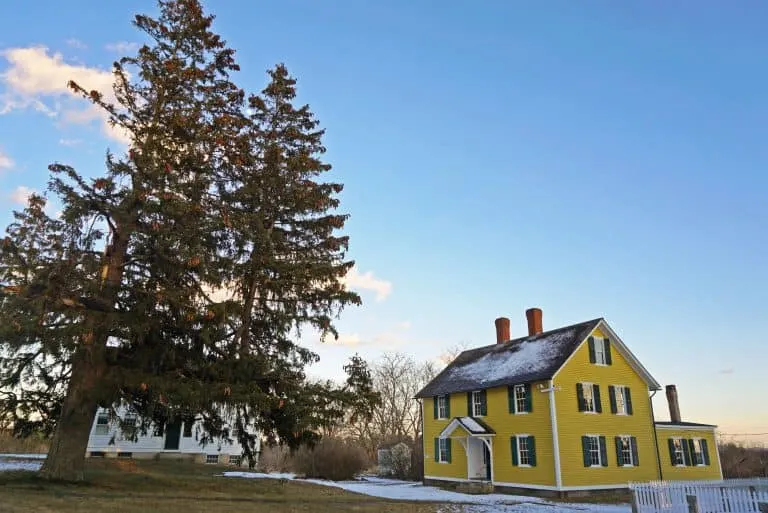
555 435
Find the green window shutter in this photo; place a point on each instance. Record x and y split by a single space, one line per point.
528 398
585 451
591 342
532 450
633 445
598 402
628 399
603 452
483 403
686 452
511 398
671 445
435 399
448 450
619 454
612 397
469 405
705 450
513 446
608 359
437 449
448 406
580 396
693 451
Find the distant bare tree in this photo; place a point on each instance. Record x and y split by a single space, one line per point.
450 354
740 460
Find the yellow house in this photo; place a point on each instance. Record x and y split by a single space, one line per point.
562 411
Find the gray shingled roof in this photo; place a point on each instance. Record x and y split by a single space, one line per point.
522 360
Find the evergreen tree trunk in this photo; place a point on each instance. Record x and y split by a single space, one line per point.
66 456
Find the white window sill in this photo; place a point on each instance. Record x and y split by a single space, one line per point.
590 412
628 465
601 364
595 466
680 465
522 413
622 413
525 465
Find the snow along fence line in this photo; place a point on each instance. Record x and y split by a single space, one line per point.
728 496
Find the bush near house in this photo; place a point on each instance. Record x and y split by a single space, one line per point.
739 460
331 458
36 444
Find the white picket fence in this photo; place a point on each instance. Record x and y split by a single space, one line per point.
729 496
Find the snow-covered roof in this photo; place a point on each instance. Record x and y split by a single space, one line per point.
522 360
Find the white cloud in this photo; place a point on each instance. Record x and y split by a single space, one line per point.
5 161
122 47
70 142
351 339
21 194
367 281
76 43
403 326
36 79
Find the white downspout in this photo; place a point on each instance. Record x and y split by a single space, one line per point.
555 438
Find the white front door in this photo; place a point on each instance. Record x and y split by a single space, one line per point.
477 466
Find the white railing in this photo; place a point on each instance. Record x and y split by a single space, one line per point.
729 496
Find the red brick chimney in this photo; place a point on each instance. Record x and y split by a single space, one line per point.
534 321
502 330
674 405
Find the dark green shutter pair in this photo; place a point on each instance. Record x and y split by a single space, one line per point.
531 450
627 399
586 453
447 450
688 451
620 454
483 404
593 358
447 406
595 397
528 398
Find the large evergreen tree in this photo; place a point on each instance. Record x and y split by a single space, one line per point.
112 304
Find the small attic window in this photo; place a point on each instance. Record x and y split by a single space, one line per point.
599 351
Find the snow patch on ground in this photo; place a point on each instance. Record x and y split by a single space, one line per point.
13 465
31 456
486 503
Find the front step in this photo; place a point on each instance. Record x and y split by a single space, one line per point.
475 487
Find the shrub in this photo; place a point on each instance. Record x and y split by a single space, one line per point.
274 459
331 458
31 444
400 461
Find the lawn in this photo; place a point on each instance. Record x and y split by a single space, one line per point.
128 486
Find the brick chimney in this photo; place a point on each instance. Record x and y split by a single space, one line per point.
502 330
674 405
534 321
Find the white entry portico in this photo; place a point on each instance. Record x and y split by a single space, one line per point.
477 440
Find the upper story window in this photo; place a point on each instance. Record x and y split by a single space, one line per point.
621 400
599 351
442 407
477 405
686 452
588 397
677 451
697 452
520 398
102 424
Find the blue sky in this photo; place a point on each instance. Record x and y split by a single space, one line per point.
600 160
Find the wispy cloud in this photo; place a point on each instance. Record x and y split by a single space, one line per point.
38 80
729 370
76 43
367 281
403 326
5 161
122 47
70 142
21 194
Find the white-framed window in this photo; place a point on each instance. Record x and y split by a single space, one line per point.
624 453
442 407
521 399
621 400
593 454
131 419
235 460
212 459
524 451
678 452
443 450
102 423
600 352
697 453
477 404
589 397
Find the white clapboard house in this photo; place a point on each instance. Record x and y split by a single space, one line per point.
172 440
